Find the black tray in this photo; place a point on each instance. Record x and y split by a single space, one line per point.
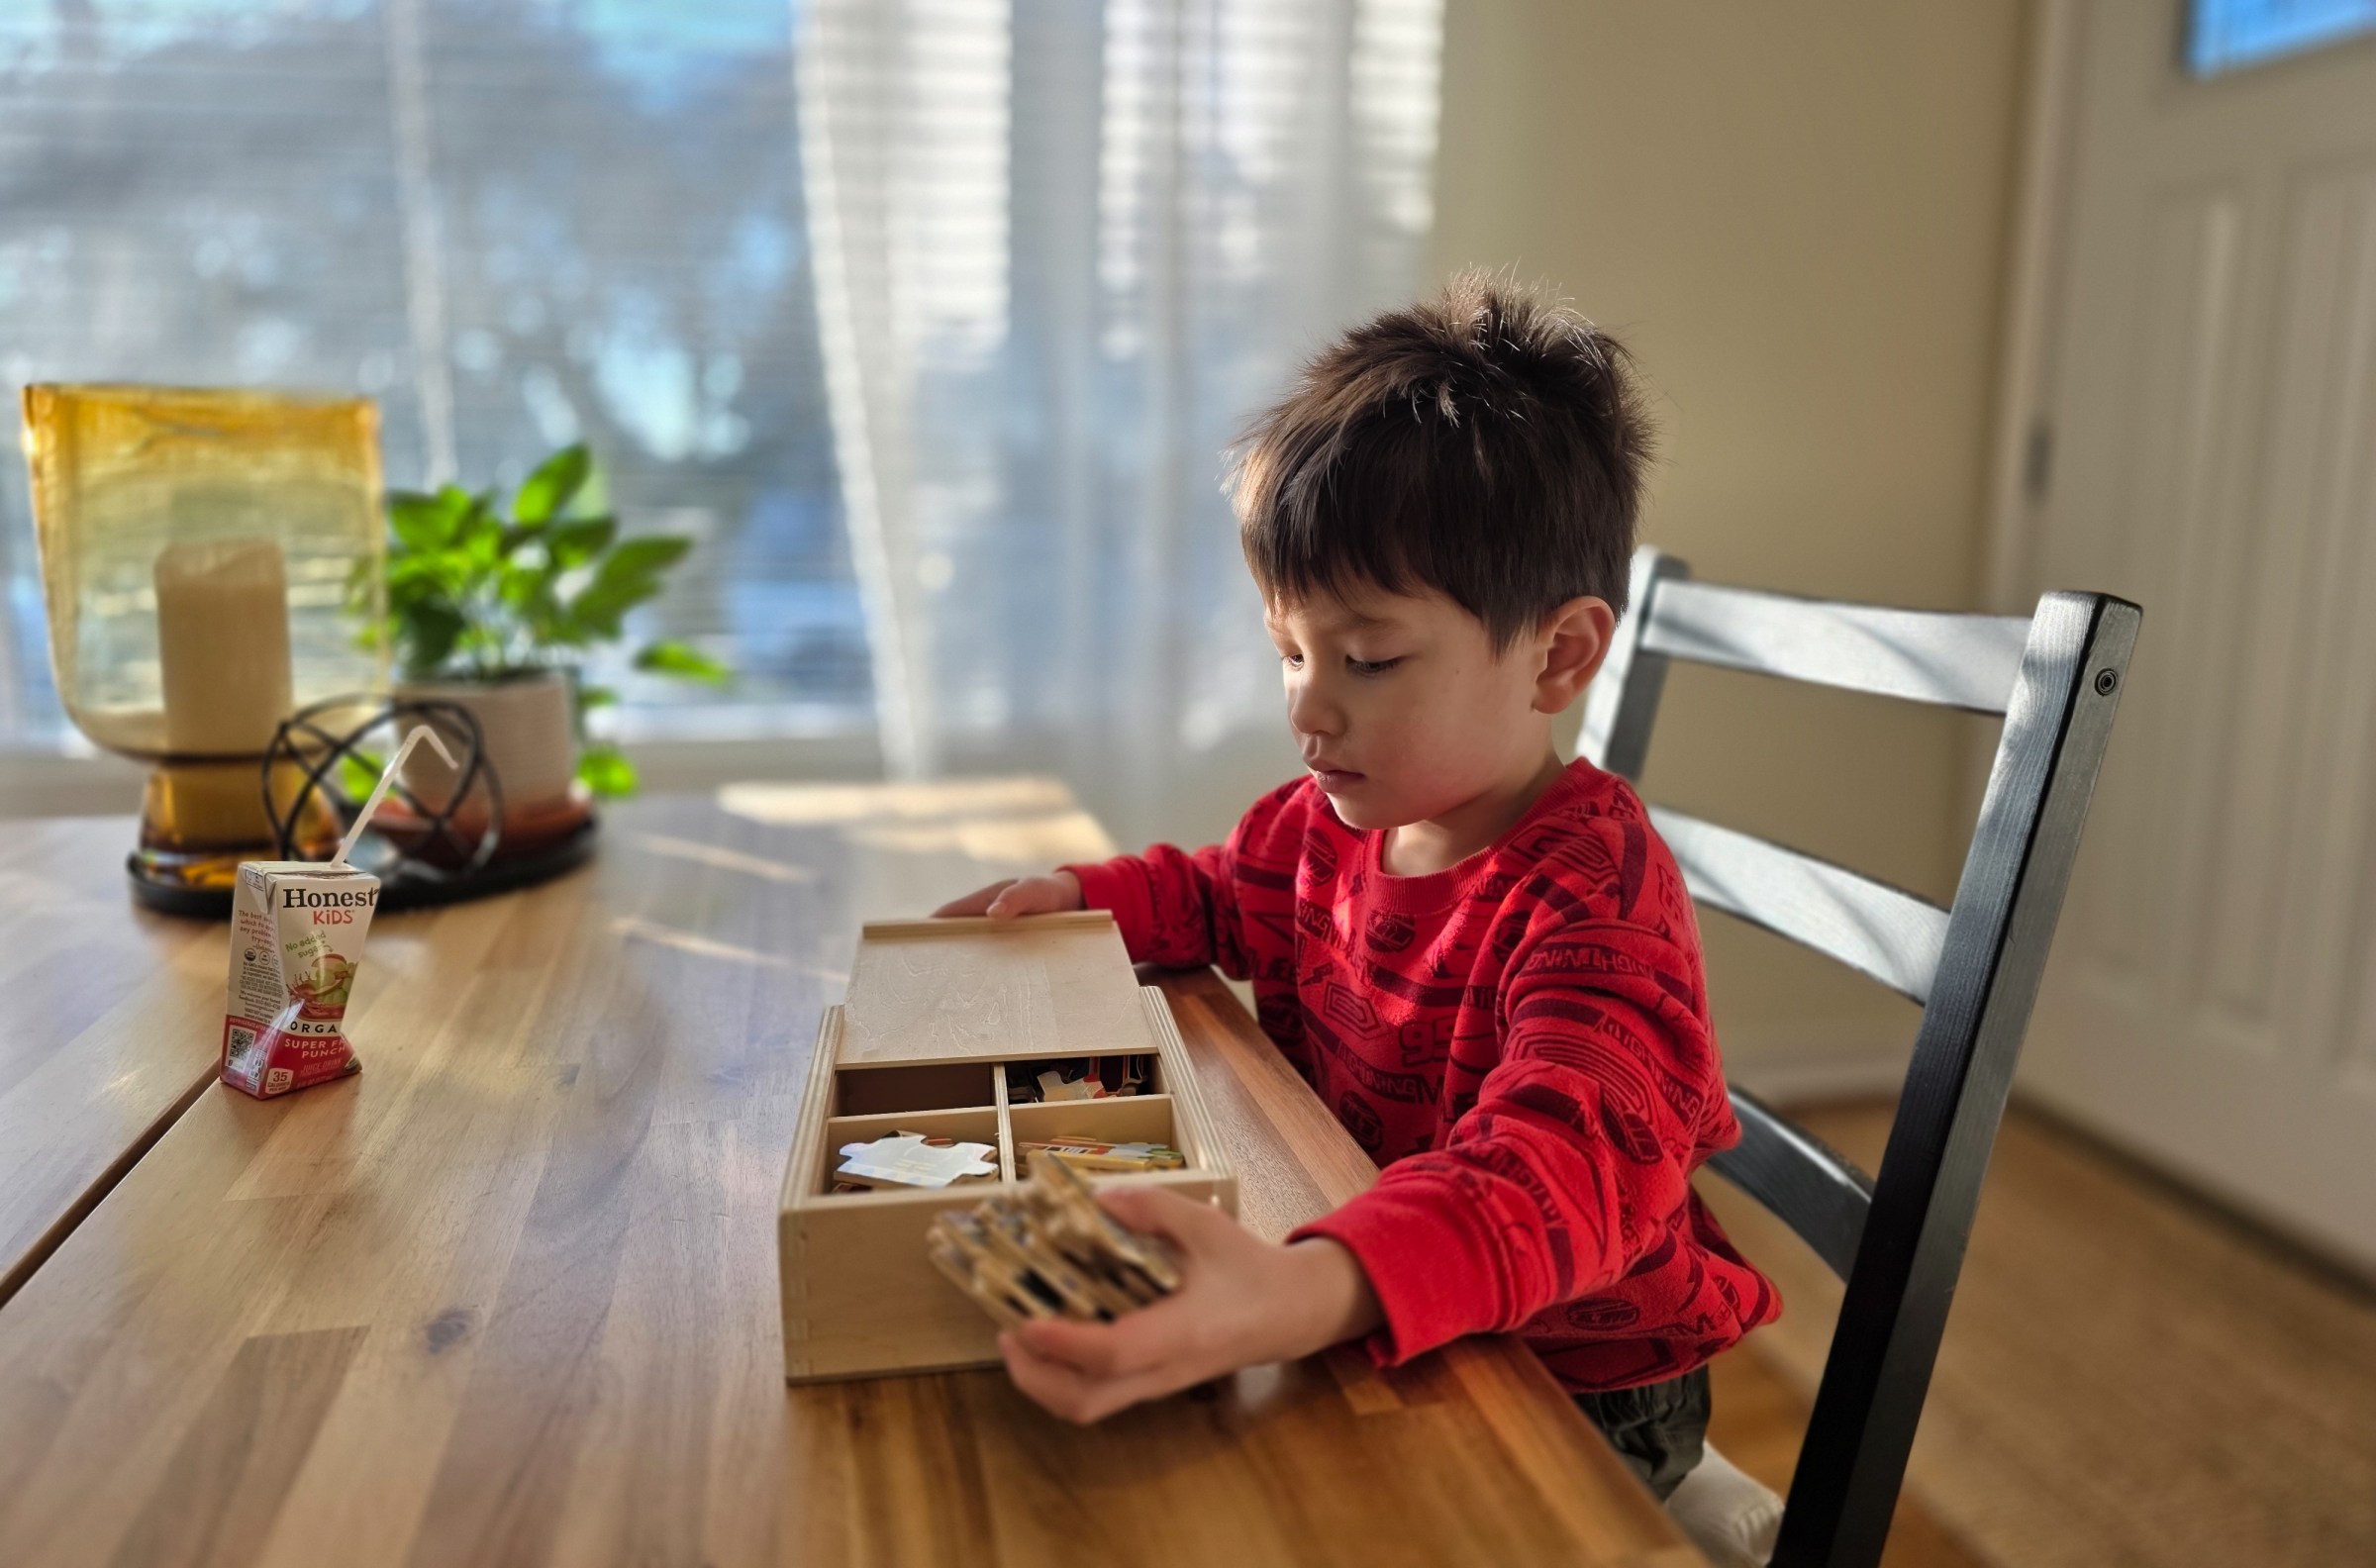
411 885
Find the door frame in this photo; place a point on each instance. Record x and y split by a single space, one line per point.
2039 231
2034 257
2035 246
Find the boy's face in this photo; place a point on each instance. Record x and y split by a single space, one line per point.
1405 713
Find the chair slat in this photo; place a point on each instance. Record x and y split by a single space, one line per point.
1814 1188
1955 660
1871 926
1623 701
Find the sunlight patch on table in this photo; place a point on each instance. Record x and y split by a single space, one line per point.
636 928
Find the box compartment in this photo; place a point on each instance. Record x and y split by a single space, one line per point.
1143 1070
1133 1118
938 1086
966 1127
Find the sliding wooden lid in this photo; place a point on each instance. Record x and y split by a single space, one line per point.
984 990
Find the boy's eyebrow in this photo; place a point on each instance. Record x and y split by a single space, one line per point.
1341 619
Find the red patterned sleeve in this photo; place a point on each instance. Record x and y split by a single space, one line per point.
1181 908
1574 1163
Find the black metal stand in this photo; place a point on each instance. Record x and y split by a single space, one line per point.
437 859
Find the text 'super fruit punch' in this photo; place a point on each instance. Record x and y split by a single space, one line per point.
297 929
297 932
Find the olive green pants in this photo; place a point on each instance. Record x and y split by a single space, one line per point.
1659 1430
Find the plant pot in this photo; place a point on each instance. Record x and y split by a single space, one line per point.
525 727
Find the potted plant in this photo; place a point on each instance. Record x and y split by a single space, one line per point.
499 614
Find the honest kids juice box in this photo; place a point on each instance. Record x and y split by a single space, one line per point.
296 939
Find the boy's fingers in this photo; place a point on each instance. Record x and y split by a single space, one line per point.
1164 1214
976 902
1066 1391
1024 895
1052 1384
1138 1342
1028 896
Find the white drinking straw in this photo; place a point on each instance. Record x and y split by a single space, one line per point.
387 776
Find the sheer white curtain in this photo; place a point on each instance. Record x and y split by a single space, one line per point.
1062 249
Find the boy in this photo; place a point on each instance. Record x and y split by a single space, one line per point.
1484 963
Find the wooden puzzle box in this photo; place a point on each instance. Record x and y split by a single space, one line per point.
946 1027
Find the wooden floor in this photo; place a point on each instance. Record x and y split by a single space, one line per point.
2130 1377
1757 1420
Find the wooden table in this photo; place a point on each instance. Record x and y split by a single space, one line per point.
510 1296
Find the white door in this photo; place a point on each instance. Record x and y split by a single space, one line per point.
2211 392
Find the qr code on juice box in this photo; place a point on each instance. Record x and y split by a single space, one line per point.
240 1045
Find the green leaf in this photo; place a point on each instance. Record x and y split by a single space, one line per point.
654 552
427 522
683 662
625 578
606 772
590 698
439 572
479 534
359 774
579 540
427 636
525 588
549 490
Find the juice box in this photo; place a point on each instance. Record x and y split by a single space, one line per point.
297 931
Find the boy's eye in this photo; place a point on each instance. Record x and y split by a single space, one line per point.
1292 661
1370 666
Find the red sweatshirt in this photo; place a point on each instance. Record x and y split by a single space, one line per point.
1521 1041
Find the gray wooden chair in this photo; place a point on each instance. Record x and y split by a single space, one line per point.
1896 1238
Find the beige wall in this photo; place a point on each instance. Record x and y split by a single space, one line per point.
1796 216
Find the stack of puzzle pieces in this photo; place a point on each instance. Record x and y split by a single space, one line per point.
1045 1249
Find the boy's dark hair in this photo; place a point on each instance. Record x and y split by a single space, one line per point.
1486 443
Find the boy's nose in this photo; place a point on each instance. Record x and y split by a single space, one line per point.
1310 713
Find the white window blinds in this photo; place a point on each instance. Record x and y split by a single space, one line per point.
515 223
932 318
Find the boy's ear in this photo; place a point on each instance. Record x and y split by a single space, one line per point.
1576 639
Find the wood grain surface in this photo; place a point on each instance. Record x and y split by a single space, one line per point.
103 1029
988 990
509 1296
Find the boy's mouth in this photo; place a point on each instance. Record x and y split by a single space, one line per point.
1333 779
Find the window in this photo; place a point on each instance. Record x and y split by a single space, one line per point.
1064 250
2230 35
515 223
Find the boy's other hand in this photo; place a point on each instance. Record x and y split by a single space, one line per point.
1241 1302
1051 894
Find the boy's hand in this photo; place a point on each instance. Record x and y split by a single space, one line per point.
1241 1302
1034 894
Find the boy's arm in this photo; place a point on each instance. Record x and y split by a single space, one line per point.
1571 1168
1170 906
1180 908
1573 1164
1174 907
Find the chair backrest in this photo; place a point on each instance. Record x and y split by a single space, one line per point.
1898 1239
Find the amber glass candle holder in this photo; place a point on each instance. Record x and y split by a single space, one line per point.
196 551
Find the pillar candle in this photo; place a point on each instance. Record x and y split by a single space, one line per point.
223 644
